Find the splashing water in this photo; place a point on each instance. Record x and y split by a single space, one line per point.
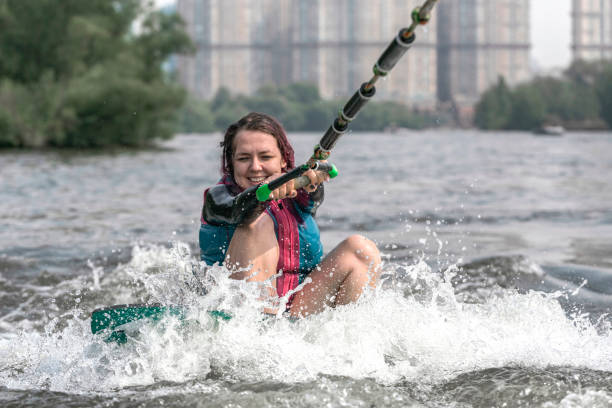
412 329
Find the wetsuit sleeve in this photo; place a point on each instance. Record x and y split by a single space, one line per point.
310 202
221 207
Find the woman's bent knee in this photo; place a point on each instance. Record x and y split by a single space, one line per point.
364 249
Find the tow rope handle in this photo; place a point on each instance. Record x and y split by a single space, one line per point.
263 192
385 63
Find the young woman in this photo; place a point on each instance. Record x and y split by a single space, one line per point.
280 237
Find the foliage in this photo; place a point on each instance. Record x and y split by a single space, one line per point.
298 107
196 117
604 93
495 107
580 97
528 108
81 75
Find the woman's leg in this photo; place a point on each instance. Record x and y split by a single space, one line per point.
253 251
340 278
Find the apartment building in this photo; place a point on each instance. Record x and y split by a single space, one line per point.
244 44
592 29
478 41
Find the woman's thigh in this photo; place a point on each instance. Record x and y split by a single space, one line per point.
329 276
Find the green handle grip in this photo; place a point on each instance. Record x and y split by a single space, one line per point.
263 192
333 172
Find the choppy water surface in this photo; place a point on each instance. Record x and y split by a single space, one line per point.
497 287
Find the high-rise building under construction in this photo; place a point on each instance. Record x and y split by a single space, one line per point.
592 29
479 41
245 44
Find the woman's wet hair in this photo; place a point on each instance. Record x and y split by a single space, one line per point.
256 122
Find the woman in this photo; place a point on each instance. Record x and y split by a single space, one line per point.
280 237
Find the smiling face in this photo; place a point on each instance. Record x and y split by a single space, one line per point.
256 157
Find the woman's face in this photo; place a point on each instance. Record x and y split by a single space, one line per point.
256 157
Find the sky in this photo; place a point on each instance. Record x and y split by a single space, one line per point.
550 32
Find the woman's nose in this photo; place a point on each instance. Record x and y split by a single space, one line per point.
255 164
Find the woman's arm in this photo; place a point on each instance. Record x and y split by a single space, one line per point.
223 207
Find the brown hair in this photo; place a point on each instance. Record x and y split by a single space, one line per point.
259 122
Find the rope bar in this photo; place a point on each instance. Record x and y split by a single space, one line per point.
393 53
385 63
357 101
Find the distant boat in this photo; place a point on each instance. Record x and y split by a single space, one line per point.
550 131
396 129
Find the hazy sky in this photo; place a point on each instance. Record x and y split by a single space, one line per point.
550 31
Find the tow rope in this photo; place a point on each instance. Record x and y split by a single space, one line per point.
385 63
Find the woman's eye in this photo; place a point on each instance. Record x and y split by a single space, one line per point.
242 159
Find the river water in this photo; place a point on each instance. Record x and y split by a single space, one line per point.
497 281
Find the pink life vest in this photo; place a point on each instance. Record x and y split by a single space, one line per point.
288 245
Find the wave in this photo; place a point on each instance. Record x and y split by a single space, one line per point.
416 327
375 221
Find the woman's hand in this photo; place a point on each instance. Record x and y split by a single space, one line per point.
316 178
288 189
284 191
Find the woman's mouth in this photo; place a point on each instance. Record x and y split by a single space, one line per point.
256 180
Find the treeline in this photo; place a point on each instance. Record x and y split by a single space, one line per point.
86 73
580 99
298 107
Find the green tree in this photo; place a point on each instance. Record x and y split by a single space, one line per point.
556 95
222 99
300 92
298 107
117 109
318 116
196 117
231 114
604 92
528 108
161 36
79 75
584 72
583 103
495 107
39 36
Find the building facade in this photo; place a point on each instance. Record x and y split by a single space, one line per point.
245 44
592 29
480 40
